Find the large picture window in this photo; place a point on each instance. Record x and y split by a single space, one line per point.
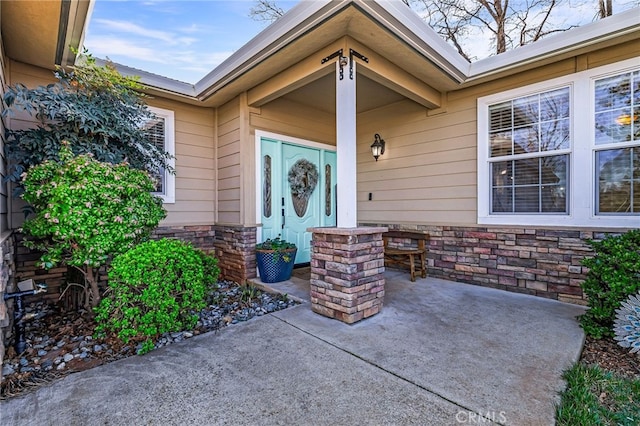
617 143
563 152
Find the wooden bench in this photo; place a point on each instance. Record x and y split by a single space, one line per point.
403 248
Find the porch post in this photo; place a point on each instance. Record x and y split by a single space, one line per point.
346 146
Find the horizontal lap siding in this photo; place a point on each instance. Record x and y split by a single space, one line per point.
31 77
195 165
293 119
613 54
228 158
428 171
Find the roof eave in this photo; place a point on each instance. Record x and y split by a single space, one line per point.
298 21
74 20
407 26
394 16
573 40
159 83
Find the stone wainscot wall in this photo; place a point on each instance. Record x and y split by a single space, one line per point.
232 245
536 261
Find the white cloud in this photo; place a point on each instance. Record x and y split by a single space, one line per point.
192 29
131 28
105 46
175 62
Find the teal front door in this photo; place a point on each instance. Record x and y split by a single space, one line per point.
298 192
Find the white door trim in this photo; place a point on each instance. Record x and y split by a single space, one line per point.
259 134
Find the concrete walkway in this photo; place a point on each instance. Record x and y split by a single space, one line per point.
439 353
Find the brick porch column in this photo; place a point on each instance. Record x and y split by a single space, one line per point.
347 267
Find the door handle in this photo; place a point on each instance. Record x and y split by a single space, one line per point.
283 216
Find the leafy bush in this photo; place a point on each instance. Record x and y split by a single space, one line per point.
614 274
279 248
93 108
87 211
157 287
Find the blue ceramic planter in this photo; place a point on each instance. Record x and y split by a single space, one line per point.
275 271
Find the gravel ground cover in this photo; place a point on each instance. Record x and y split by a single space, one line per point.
60 343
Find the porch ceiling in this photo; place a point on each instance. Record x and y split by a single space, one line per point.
321 94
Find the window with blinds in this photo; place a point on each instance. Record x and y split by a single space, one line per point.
160 130
156 132
529 143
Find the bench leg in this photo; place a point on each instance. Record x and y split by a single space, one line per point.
424 265
413 267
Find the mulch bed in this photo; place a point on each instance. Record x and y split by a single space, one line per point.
608 355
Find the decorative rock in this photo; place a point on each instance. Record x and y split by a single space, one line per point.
224 307
7 370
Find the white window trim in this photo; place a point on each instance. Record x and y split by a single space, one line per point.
169 194
581 190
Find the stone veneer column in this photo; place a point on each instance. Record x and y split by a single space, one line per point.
7 271
347 267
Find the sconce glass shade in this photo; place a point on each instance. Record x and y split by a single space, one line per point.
377 147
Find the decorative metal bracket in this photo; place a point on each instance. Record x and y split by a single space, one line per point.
342 61
353 53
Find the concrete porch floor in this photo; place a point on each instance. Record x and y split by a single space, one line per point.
439 353
490 352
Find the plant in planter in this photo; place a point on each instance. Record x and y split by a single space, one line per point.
275 258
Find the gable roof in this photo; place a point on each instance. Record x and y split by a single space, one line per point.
389 27
396 33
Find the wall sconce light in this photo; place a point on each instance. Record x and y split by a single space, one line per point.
377 147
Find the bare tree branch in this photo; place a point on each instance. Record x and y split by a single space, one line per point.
265 10
511 23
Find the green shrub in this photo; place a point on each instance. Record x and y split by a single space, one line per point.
157 287
87 211
614 274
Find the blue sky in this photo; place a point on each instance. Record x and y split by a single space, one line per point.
183 40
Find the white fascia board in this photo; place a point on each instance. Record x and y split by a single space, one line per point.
393 15
576 38
405 24
297 21
153 80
